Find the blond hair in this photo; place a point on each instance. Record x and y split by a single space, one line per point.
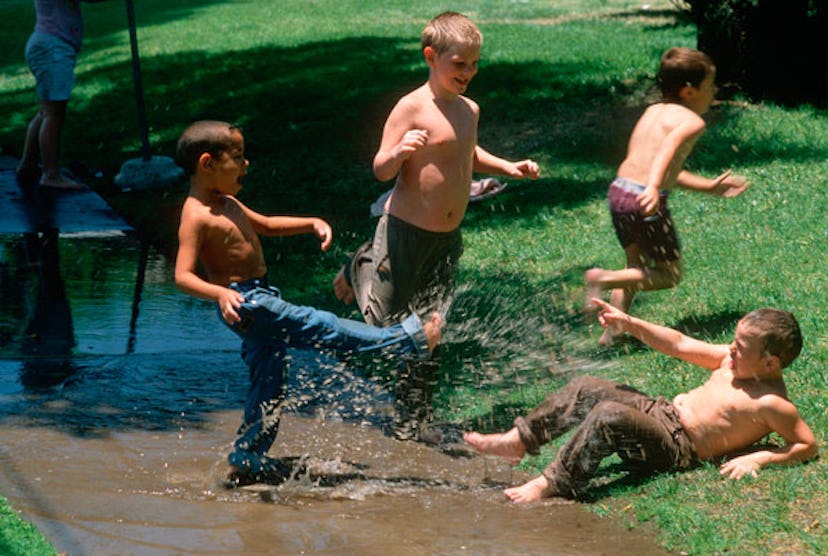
449 30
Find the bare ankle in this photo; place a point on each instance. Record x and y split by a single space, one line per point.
433 330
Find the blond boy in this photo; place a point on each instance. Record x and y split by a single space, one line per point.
429 146
660 142
743 400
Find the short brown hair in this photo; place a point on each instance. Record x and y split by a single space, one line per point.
681 67
450 29
206 136
778 333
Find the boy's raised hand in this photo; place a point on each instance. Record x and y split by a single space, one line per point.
412 140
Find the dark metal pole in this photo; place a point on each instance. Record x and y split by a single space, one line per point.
139 88
136 298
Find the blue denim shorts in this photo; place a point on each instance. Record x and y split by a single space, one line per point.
52 61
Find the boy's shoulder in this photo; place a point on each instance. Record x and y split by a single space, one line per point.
422 98
672 113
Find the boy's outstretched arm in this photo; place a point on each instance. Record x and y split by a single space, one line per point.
784 419
289 225
661 338
487 163
726 185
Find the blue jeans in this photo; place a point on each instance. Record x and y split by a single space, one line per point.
268 326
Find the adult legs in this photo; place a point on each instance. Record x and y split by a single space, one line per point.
42 144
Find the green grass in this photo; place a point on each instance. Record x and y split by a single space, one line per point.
561 82
18 537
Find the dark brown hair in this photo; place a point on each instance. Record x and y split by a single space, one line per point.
681 67
206 136
778 333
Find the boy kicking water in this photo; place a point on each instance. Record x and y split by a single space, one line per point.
660 142
221 233
743 400
429 145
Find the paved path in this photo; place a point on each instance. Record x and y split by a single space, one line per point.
71 212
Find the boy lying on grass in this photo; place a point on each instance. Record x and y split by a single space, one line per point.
743 400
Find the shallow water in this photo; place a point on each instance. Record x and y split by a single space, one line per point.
115 431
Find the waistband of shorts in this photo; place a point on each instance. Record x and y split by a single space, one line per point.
677 430
632 187
416 230
251 284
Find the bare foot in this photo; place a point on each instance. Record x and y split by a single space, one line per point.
529 492
608 338
433 330
506 445
342 289
594 288
60 182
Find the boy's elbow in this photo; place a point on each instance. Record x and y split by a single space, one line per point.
382 174
811 451
180 281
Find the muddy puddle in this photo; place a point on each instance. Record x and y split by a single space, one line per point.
115 429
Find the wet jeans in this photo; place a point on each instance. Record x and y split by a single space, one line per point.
610 418
268 326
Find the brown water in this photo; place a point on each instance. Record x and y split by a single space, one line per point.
115 445
144 492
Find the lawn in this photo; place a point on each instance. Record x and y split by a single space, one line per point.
561 82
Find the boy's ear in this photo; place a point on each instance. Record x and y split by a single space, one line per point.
430 55
205 161
687 92
772 364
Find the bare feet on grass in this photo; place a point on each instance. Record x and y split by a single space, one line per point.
506 445
532 491
342 289
433 330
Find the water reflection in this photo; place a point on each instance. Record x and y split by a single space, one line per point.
49 335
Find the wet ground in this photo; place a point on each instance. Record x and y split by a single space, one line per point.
115 426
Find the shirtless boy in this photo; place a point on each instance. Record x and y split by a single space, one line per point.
429 144
222 234
743 400
660 142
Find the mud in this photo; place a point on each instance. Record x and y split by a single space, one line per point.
159 493
115 432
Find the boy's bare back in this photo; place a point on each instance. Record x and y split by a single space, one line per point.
662 138
432 188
